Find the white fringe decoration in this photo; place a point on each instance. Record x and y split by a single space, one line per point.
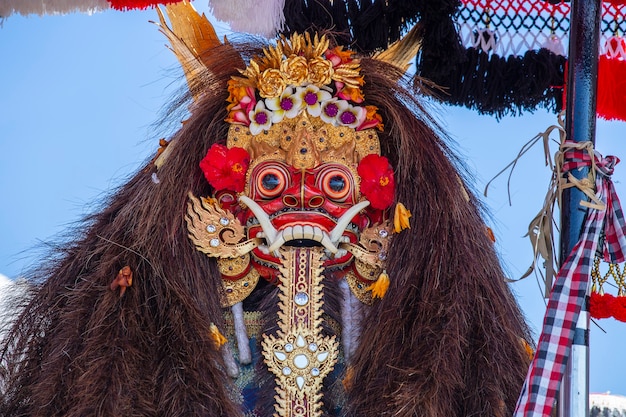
554 45
260 17
485 39
43 7
351 319
232 369
241 334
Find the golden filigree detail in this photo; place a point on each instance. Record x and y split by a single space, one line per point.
303 152
320 71
295 70
359 288
233 267
366 271
322 141
304 45
373 245
299 356
298 60
239 289
216 232
376 238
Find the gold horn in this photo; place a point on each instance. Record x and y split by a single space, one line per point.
190 36
401 52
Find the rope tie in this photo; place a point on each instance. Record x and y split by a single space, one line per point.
540 229
571 156
577 155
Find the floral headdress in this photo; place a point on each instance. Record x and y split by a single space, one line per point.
301 74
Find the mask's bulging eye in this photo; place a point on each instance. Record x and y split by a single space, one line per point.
335 182
269 180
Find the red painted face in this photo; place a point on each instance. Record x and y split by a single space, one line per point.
304 208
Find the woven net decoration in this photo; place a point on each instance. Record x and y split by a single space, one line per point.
513 56
520 26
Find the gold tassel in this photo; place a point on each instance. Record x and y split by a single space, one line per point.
529 349
401 218
162 153
347 380
217 337
123 280
379 288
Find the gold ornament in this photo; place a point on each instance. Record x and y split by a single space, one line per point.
359 288
238 290
321 141
299 356
372 248
214 231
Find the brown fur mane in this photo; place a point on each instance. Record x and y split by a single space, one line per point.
445 340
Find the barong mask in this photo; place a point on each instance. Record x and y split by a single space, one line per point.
300 191
301 168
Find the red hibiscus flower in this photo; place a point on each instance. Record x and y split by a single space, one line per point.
377 183
600 306
225 169
619 308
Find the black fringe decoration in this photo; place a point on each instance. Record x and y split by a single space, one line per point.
497 85
367 25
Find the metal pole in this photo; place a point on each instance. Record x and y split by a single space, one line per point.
580 125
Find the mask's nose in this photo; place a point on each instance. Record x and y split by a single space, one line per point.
303 196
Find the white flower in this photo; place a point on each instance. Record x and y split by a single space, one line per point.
312 97
331 109
260 118
352 117
286 105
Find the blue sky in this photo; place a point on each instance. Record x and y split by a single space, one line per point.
79 100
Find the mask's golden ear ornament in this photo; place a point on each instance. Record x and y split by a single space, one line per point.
215 231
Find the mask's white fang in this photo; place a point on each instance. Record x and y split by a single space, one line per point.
262 217
345 220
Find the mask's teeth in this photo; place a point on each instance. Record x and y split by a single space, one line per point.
318 234
287 234
298 232
302 232
340 253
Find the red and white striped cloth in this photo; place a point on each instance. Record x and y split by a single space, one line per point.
570 287
43 7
